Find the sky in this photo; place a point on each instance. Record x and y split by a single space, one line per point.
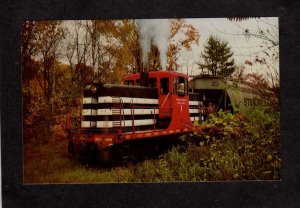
231 31
243 48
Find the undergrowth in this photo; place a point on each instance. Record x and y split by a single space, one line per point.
225 147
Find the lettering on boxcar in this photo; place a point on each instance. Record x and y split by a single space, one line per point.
251 102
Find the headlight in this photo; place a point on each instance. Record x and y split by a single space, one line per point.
93 89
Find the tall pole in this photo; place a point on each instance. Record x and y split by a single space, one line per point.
187 68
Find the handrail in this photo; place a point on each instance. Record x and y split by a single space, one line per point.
120 129
121 114
132 107
154 121
122 108
165 99
132 113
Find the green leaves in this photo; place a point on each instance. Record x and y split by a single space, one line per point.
242 146
220 126
216 57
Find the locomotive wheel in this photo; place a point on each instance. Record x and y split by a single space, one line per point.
70 149
127 153
93 156
107 156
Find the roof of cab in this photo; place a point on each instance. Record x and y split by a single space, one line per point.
156 73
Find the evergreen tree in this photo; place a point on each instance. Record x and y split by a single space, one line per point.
217 57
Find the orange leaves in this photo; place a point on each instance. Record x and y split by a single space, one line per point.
192 36
260 85
189 34
248 62
37 109
172 56
260 60
183 35
176 26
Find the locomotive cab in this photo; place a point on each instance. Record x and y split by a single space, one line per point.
173 99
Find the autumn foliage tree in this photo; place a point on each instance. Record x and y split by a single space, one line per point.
92 43
262 87
183 36
41 41
29 49
129 53
77 52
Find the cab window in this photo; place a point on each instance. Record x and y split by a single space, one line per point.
180 85
164 85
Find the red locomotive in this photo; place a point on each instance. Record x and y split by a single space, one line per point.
149 107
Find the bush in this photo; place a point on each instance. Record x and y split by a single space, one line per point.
221 125
245 146
260 148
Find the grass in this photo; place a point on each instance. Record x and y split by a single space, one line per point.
205 163
40 166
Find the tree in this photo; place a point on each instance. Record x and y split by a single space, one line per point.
217 57
266 59
183 35
47 38
50 35
128 57
29 66
261 86
76 52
